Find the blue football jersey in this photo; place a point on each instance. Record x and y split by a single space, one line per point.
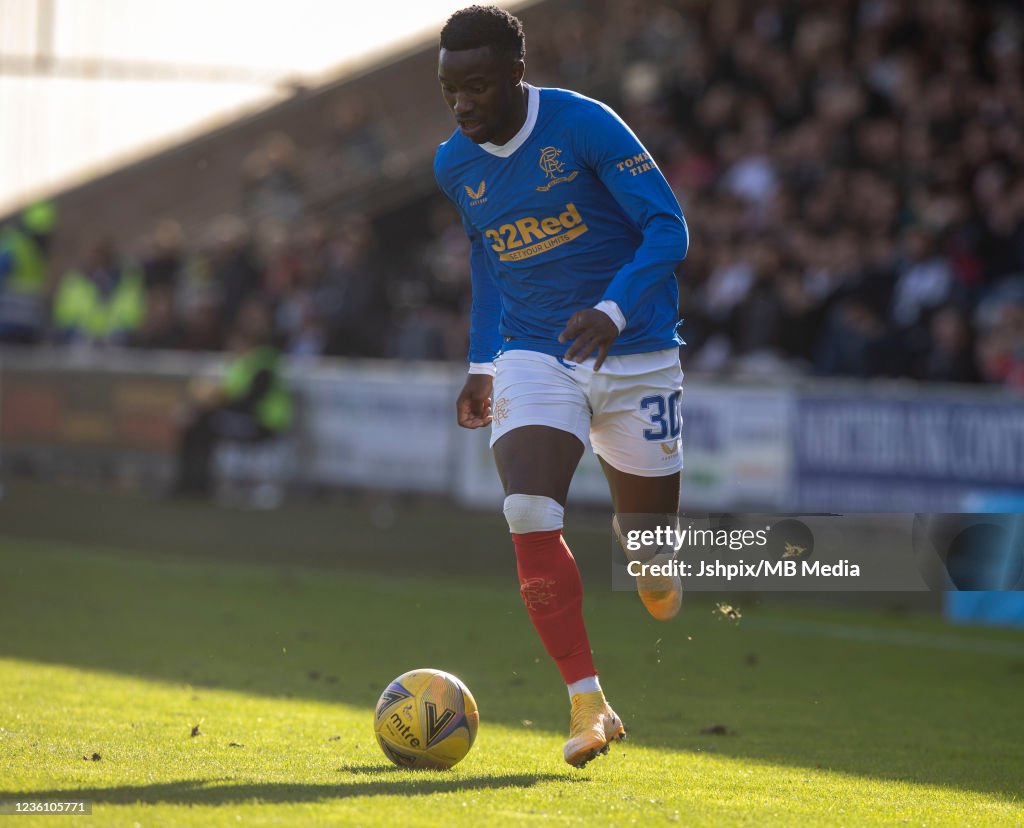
571 211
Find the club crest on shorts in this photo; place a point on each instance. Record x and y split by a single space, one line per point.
669 448
500 410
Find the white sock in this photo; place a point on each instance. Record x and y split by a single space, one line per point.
584 685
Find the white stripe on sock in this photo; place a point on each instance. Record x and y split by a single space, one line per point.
584 685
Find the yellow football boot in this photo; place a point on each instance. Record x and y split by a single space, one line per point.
593 726
661 594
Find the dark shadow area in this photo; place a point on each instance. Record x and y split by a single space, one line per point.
200 792
433 586
368 770
413 535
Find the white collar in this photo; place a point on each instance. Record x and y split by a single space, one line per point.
532 107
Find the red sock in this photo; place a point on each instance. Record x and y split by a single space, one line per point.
553 593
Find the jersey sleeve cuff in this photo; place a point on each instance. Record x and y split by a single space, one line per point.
613 312
482 368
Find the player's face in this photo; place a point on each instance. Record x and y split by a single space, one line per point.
483 91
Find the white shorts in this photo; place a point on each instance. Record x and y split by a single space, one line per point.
630 409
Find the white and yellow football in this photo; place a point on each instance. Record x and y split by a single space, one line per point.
426 719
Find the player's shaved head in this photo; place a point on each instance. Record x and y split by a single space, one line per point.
477 27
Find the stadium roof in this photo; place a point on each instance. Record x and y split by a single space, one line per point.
89 86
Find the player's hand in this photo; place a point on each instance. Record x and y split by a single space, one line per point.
473 408
589 329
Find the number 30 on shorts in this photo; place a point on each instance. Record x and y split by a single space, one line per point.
664 415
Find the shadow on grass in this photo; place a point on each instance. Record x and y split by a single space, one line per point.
870 708
210 792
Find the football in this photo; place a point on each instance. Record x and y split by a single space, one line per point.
426 719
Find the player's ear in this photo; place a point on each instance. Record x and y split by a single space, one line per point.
518 71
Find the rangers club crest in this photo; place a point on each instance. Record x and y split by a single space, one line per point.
553 169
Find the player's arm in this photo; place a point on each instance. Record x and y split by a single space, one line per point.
473 407
629 173
485 310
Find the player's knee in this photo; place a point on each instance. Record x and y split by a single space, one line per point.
620 534
532 513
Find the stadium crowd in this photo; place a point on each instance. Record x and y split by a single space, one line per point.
852 173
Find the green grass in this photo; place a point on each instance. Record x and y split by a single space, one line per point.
834 717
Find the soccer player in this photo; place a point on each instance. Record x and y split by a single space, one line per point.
574 237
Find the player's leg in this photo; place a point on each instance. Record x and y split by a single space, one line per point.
537 460
636 435
536 464
633 494
645 504
538 441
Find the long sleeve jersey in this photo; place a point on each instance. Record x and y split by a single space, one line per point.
570 212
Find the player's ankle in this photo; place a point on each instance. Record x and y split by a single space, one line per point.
590 684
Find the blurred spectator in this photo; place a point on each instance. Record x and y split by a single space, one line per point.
163 263
1000 320
924 279
432 301
298 318
104 302
923 283
853 342
358 142
24 250
252 403
202 328
350 299
233 265
307 337
852 173
951 358
160 329
756 324
1000 245
273 184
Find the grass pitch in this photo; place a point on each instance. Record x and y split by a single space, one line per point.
790 716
